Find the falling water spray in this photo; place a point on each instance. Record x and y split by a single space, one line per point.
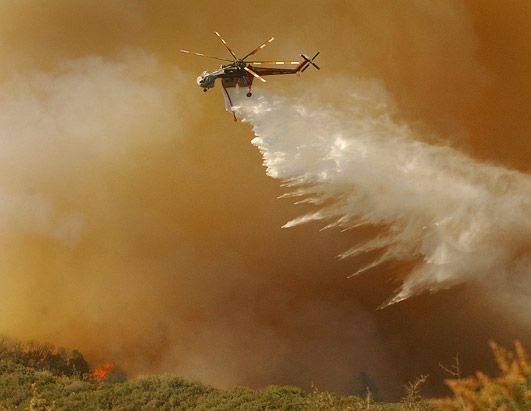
460 220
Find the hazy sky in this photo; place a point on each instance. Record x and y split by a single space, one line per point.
137 221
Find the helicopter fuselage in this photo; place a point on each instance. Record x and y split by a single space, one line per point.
231 75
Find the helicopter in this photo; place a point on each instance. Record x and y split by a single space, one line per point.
239 72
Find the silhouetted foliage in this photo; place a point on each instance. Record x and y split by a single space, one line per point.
511 390
42 356
77 363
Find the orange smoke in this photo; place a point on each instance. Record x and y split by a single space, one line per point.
137 223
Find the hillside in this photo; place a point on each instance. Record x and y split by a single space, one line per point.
24 387
38 376
41 377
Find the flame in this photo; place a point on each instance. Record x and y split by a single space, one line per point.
100 374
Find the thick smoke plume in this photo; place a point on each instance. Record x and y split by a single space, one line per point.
138 226
97 215
461 219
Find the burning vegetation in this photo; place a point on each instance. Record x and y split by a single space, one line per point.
102 373
40 376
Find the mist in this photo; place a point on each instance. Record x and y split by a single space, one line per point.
139 224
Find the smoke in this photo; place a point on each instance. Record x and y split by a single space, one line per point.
462 220
58 127
138 226
108 248
67 137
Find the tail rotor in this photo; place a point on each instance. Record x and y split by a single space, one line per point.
310 61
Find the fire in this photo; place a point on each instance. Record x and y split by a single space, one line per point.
100 374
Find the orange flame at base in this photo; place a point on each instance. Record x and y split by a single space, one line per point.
100 374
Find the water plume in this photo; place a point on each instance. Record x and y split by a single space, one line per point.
458 219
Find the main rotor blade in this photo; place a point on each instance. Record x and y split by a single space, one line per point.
254 74
226 45
271 62
260 47
203 55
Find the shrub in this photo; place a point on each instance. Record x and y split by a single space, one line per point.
43 357
511 390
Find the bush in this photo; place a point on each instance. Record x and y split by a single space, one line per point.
511 390
43 357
